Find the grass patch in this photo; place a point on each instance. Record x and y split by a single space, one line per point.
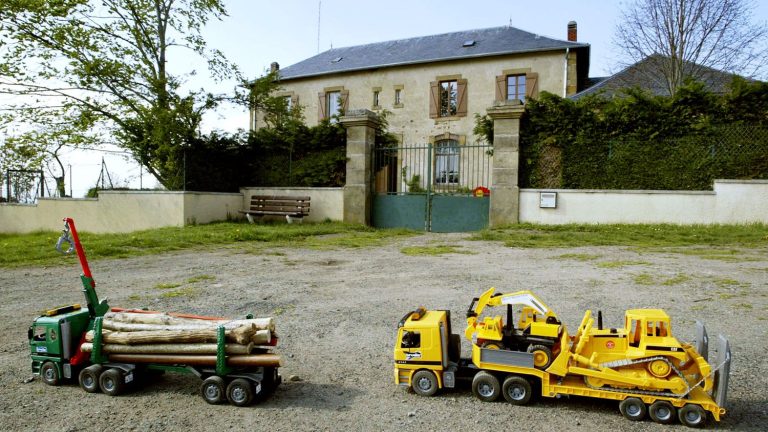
619 264
184 292
637 235
167 286
38 248
718 254
434 250
578 257
649 279
200 278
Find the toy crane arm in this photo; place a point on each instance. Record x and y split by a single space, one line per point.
525 298
69 236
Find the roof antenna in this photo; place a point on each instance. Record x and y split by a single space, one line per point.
510 22
319 6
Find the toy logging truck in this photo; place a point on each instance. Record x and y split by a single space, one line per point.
109 350
641 365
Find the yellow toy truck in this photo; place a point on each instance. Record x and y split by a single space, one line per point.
641 365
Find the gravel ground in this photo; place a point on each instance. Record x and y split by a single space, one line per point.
337 311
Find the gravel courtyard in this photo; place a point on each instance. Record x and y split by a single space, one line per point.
336 313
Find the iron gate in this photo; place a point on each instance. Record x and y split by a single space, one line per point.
440 187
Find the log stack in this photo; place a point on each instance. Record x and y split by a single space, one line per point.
142 337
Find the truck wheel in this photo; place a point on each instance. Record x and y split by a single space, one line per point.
486 387
213 389
632 408
662 412
89 378
111 382
692 416
49 374
424 383
517 390
493 345
240 392
542 356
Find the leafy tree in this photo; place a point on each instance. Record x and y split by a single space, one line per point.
690 36
107 62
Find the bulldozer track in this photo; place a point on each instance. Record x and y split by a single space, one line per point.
645 392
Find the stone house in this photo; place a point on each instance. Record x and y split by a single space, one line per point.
433 85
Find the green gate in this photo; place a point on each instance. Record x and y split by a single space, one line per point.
440 187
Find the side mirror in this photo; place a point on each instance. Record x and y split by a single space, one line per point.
29 333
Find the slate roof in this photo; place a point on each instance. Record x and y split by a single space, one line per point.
646 74
426 49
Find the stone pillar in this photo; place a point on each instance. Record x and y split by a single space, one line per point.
361 127
505 193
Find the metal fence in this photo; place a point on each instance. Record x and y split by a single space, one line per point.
446 167
23 186
690 162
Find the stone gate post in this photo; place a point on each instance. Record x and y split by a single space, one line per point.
361 127
505 193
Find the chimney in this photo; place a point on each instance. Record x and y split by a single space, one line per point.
572 31
275 66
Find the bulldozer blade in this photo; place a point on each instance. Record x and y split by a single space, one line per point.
702 340
722 374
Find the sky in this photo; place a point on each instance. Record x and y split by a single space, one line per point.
257 32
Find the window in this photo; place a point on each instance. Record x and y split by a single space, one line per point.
447 162
376 98
448 98
288 100
516 87
332 103
517 84
410 339
398 96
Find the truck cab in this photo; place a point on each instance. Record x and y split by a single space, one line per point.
425 352
53 341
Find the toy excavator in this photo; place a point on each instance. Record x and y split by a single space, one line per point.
537 332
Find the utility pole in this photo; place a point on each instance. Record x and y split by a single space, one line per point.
319 7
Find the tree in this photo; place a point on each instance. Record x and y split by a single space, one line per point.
106 63
690 36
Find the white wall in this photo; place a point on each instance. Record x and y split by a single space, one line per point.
324 203
731 202
121 211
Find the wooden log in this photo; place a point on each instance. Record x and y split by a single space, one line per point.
256 323
197 349
241 335
199 360
262 337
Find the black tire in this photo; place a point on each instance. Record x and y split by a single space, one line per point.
633 408
454 348
692 416
517 390
214 390
486 387
89 378
542 356
424 383
50 374
662 412
240 392
111 382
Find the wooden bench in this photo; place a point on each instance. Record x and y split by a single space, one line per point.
288 206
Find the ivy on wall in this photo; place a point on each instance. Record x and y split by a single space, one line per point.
641 141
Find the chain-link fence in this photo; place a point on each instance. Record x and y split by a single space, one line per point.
690 162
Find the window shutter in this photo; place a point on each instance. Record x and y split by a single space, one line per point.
434 98
461 89
501 88
321 106
531 85
294 101
344 101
